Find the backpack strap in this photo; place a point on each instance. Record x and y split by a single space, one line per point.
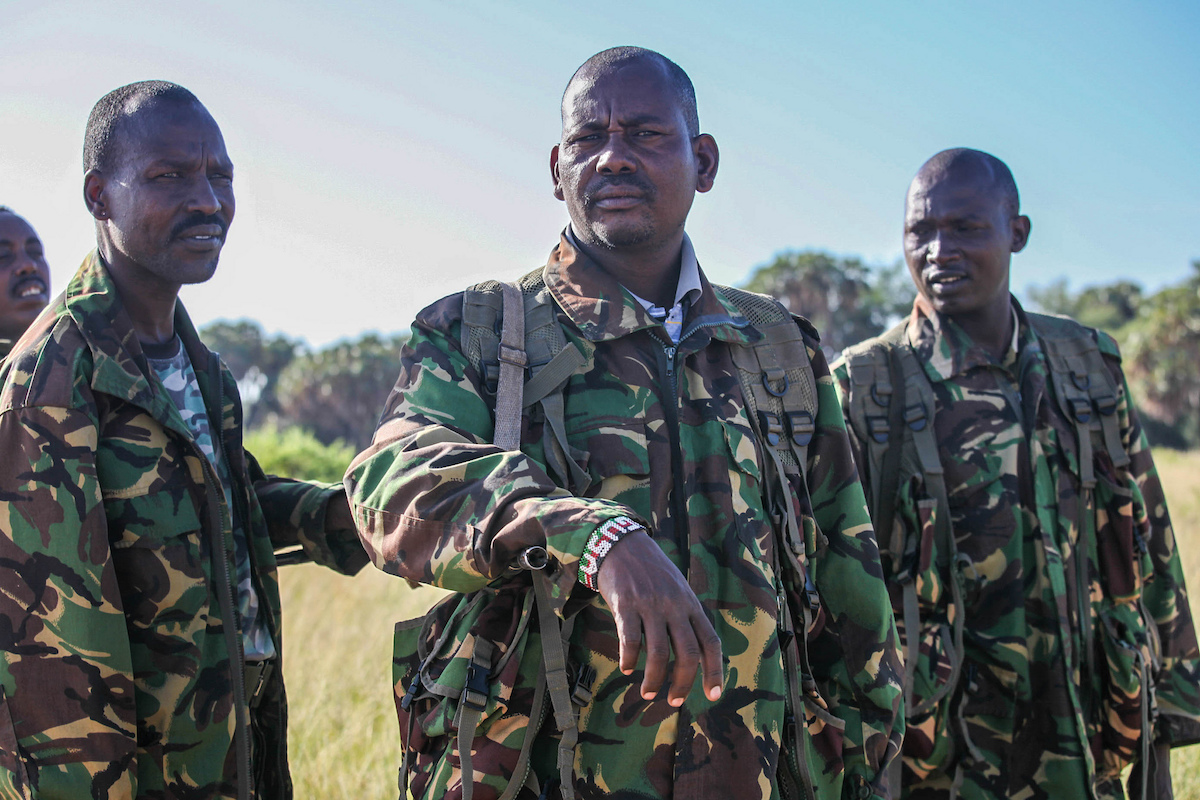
529 337
892 408
780 392
549 361
1084 388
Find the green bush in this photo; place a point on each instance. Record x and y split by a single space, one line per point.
296 453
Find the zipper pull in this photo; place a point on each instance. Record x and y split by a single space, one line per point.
670 351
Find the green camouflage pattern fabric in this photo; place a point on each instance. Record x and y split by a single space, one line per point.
120 673
1056 620
179 380
665 438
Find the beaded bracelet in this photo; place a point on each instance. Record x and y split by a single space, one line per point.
600 543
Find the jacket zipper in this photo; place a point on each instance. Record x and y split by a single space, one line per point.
229 618
670 352
678 499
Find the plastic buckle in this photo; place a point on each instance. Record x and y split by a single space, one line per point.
915 416
1080 408
811 595
475 692
511 355
1106 405
800 423
1082 380
887 395
878 428
772 427
581 695
413 687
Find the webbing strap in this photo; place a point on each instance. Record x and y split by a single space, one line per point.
558 449
889 478
912 638
511 383
554 656
550 377
470 708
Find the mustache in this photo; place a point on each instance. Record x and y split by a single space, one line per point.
197 219
608 181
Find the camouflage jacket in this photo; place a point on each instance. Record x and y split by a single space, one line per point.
667 441
1057 589
120 672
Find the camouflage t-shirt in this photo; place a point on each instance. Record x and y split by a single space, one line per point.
170 362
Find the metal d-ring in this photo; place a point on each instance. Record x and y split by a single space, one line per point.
772 392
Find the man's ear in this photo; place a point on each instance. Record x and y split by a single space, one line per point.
558 192
1021 227
94 196
708 157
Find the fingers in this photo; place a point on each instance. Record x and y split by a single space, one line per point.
712 662
658 654
629 637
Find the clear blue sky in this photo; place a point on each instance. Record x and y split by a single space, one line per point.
389 153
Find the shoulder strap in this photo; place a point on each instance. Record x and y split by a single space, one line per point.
1082 385
892 408
513 330
781 403
529 338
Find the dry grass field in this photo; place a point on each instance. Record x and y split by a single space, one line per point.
344 740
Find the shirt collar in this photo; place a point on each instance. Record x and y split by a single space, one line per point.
947 350
689 286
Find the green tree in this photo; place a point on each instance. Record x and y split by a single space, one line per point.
845 299
296 453
339 392
1108 307
256 362
1162 355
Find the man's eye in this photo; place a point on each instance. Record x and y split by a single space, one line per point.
222 179
647 134
167 176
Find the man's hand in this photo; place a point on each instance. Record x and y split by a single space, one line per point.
337 514
647 594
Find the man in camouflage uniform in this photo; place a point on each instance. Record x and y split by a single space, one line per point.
139 618
1068 581
670 544
24 277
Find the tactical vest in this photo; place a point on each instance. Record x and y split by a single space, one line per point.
891 408
451 674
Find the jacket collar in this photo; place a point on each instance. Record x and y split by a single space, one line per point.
119 364
947 351
603 309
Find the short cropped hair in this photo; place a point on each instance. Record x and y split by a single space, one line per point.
685 92
100 140
1002 177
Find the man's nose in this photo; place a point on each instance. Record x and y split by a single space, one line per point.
939 250
615 158
205 197
27 264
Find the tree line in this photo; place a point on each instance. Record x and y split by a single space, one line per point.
309 410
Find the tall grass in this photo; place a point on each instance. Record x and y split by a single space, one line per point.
337 647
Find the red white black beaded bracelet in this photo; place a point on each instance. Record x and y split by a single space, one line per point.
598 545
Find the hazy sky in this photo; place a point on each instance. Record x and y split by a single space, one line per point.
388 153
